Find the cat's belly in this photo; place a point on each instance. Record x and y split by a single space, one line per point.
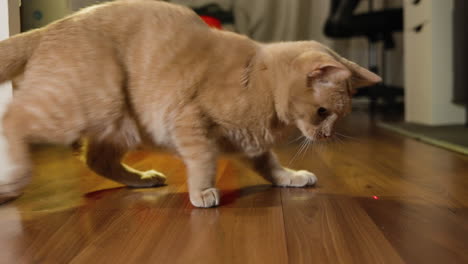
240 145
156 118
161 136
228 147
159 133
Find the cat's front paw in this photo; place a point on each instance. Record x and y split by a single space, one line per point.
206 198
292 178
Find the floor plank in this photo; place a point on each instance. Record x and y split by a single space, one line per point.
422 233
332 229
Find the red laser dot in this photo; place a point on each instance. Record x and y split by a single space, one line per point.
375 197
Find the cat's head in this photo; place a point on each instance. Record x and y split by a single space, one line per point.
313 86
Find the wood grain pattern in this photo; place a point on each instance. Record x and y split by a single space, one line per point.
333 229
381 198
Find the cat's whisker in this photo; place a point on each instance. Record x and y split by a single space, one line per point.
296 139
339 143
316 144
301 151
322 146
306 148
338 140
347 137
296 154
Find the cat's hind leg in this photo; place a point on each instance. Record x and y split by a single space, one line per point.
104 158
29 119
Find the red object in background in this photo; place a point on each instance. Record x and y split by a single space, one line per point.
212 22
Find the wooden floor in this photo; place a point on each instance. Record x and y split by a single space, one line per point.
381 198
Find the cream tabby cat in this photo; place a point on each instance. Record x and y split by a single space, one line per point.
132 73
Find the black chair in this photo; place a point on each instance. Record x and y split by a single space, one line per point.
377 26
214 10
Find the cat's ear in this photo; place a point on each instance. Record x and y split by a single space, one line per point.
328 71
361 77
321 67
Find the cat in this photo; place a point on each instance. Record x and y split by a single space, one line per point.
131 73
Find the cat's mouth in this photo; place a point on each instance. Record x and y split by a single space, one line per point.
309 131
314 133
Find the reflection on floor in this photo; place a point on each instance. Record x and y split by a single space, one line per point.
381 198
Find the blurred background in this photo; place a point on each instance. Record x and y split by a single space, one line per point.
417 46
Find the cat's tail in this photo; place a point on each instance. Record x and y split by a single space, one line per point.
15 53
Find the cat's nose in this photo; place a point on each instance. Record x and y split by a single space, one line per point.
325 135
328 132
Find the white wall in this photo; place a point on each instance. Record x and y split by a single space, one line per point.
429 64
9 25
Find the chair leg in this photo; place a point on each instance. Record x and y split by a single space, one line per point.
374 67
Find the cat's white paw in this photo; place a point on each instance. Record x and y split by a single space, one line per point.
206 198
144 179
156 176
151 178
292 178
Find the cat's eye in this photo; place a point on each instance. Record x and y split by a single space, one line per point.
322 112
